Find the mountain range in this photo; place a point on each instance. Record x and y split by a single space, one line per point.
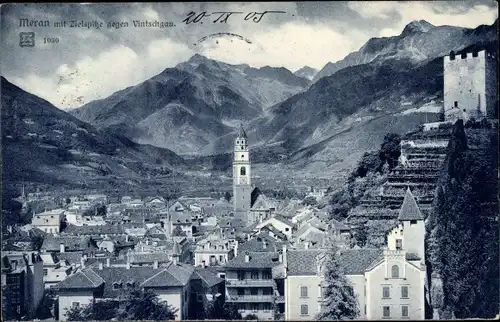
306 72
419 42
187 107
188 114
44 144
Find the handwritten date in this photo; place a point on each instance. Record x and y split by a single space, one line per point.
223 16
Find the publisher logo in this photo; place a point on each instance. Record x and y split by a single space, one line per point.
26 39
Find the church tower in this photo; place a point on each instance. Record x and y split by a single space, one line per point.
242 188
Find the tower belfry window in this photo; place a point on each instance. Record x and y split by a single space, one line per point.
455 104
243 171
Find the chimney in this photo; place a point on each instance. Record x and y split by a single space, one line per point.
108 262
247 257
155 264
61 248
264 244
126 238
280 257
82 263
100 266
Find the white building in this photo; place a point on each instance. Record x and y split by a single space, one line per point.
213 252
389 283
48 221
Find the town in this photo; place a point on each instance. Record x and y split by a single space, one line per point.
261 256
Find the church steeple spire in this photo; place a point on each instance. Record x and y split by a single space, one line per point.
241 132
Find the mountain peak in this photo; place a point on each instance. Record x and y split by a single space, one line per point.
197 58
417 26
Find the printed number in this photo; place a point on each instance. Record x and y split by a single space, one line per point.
50 40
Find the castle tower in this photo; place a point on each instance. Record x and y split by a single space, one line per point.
242 188
470 88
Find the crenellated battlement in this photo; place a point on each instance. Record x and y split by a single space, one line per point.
464 56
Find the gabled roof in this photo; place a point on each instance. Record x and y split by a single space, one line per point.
283 220
357 261
86 278
303 262
410 210
209 277
71 243
257 260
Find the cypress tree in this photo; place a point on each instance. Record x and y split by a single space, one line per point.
340 301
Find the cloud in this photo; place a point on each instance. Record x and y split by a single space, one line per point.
97 77
432 12
292 45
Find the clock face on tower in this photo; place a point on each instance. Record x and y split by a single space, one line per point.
243 180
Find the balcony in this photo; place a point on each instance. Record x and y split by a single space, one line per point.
249 298
249 283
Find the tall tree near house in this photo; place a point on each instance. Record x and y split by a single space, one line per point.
340 301
9 312
178 232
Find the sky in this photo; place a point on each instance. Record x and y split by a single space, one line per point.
89 63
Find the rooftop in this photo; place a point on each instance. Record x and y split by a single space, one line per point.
256 260
410 210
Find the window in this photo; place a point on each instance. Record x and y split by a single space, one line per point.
404 311
242 156
255 307
267 291
253 291
304 310
303 291
267 307
395 271
75 305
386 311
399 244
117 286
287 229
241 291
455 104
221 258
243 171
255 275
45 272
404 292
241 276
385 292
320 291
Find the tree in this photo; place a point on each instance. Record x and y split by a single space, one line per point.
178 232
227 195
310 201
340 302
9 311
463 243
143 304
390 150
136 304
231 312
251 317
